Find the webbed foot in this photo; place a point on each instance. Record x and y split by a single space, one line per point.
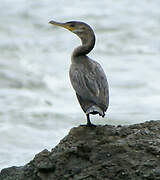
88 125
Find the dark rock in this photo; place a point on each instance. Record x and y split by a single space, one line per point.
101 153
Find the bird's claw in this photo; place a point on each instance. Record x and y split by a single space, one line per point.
88 125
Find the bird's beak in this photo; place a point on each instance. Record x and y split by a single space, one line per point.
62 25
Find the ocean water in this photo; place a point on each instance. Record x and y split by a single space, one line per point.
38 106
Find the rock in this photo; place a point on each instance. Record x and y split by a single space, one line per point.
97 153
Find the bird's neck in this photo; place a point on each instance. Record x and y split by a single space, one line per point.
88 43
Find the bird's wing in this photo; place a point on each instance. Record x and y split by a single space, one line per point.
91 84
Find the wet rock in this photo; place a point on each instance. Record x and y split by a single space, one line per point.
101 153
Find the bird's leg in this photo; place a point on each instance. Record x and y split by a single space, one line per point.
88 120
89 124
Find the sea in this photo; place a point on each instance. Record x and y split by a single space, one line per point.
38 105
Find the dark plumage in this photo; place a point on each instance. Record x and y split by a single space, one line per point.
87 76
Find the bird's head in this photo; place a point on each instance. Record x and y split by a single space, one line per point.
76 27
83 31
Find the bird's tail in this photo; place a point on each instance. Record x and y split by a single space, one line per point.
95 110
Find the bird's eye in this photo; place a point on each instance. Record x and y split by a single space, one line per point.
72 25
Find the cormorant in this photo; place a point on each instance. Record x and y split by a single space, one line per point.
86 75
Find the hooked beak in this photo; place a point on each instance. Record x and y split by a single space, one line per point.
64 25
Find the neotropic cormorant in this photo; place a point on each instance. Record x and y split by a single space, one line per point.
86 75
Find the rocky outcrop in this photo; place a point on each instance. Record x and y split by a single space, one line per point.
97 153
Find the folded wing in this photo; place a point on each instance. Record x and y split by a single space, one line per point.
90 83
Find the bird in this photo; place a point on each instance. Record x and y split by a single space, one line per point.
86 75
